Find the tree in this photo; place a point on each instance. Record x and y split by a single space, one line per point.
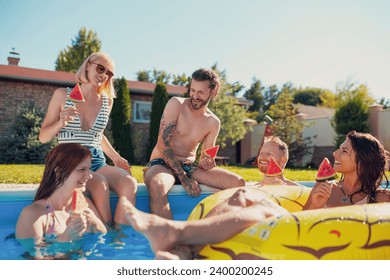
143 76
328 99
270 96
160 76
384 102
348 90
231 115
154 76
287 126
255 93
120 120
71 58
352 110
181 80
160 99
308 96
22 144
315 97
232 119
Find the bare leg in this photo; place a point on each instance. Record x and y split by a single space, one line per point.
179 253
242 198
218 178
160 232
159 181
100 193
124 185
165 255
165 235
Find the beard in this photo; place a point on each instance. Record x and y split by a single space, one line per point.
198 104
263 168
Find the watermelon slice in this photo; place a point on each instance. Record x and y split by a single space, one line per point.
212 151
79 203
76 95
273 168
325 171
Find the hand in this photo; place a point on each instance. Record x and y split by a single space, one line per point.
320 194
191 186
122 163
76 226
207 162
93 222
68 114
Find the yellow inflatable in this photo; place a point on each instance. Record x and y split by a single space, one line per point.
349 232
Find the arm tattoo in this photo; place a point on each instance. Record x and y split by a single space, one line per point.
167 134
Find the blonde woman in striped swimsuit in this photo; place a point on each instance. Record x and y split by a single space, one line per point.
84 123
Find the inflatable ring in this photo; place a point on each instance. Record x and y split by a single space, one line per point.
348 232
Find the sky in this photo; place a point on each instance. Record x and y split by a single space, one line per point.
309 43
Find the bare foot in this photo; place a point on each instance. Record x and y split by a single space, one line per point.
160 232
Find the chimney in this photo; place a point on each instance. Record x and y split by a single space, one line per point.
13 58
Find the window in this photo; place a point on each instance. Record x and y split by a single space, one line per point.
142 110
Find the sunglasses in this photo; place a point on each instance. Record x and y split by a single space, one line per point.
101 69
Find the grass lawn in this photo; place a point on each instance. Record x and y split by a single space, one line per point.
32 173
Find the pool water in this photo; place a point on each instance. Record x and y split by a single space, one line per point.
121 243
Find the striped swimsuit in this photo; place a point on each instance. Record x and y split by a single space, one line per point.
72 132
92 138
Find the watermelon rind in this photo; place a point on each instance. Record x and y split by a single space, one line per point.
273 169
325 171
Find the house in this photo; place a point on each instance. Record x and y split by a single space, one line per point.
379 122
320 132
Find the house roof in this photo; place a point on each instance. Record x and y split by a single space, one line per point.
244 101
314 112
147 87
13 72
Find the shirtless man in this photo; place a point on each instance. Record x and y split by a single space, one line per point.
187 122
275 147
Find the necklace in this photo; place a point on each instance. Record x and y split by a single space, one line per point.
348 197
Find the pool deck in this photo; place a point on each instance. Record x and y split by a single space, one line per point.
18 186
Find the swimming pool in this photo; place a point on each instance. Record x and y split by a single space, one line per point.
120 244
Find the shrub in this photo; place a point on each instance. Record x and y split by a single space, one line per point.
22 144
120 120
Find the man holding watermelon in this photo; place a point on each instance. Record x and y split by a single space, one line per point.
185 124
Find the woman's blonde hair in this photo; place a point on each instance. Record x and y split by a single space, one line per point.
82 73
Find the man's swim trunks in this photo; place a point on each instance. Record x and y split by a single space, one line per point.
188 167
